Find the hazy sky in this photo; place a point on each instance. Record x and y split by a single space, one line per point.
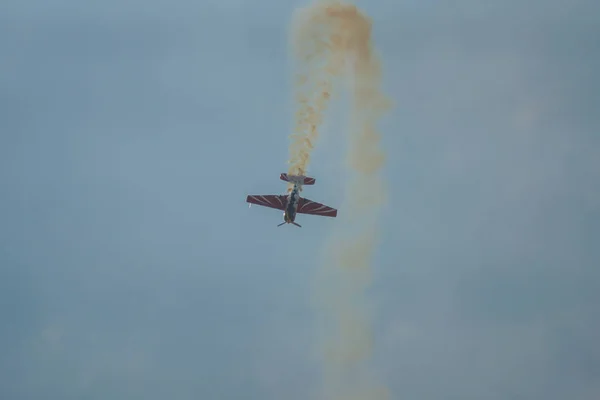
131 267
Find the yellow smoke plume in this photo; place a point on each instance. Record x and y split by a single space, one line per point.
331 43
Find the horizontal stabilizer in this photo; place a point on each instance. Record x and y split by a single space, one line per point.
301 179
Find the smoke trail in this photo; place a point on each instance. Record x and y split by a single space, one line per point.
332 40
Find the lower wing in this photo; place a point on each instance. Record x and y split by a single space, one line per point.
268 200
306 206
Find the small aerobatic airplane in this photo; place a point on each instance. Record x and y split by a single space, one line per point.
292 203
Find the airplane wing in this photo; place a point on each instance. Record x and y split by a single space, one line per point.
306 206
268 200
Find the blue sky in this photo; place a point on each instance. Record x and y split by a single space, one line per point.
130 266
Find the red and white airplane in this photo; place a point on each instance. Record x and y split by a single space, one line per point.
292 203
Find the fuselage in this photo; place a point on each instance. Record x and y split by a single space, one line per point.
292 205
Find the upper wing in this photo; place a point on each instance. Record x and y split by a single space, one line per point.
268 200
306 206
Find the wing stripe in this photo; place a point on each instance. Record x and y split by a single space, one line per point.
320 208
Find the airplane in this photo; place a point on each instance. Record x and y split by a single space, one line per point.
292 203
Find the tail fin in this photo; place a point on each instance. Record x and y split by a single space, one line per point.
301 179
